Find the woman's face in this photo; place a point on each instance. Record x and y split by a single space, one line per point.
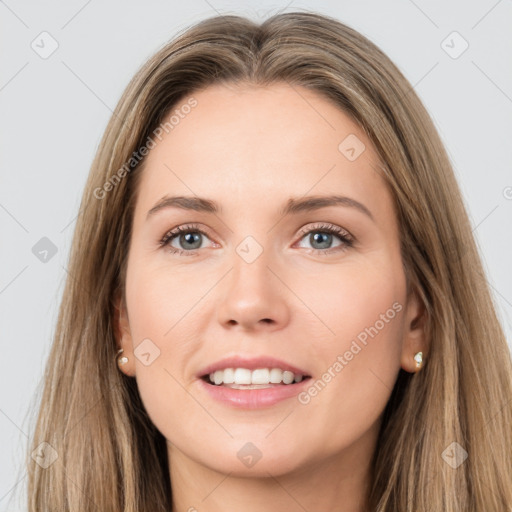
263 270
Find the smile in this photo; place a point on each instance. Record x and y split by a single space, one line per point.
243 378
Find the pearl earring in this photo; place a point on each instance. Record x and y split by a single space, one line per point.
121 360
419 359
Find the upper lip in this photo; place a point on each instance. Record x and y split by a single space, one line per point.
251 363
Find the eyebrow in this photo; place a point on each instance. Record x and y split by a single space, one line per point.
292 206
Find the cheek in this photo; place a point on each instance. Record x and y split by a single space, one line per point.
357 349
161 300
160 312
356 301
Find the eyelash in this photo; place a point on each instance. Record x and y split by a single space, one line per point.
344 236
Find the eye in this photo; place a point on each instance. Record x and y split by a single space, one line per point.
190 239
188 236
321 238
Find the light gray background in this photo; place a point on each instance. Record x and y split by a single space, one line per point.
53 112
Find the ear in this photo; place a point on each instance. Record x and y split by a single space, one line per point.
123 336
415 332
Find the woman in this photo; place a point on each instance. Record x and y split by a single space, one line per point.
327 341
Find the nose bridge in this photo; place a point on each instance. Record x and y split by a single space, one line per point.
250 275
253 295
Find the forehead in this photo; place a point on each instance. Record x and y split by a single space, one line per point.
252 146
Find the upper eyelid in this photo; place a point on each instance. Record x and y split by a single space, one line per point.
327 226
174 232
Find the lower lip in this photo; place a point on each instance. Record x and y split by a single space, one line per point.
254 398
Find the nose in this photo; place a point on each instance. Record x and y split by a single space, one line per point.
253 297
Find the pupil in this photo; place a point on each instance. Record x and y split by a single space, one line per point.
191 238
320 238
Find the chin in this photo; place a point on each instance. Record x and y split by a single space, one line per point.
258 459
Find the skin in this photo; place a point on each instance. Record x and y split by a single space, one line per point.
250 149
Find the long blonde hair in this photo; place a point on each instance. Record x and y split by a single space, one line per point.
111 457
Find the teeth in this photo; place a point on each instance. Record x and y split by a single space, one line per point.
261 376
229 376
276 376
288 377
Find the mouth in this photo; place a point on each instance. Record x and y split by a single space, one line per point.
252 383
259 378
